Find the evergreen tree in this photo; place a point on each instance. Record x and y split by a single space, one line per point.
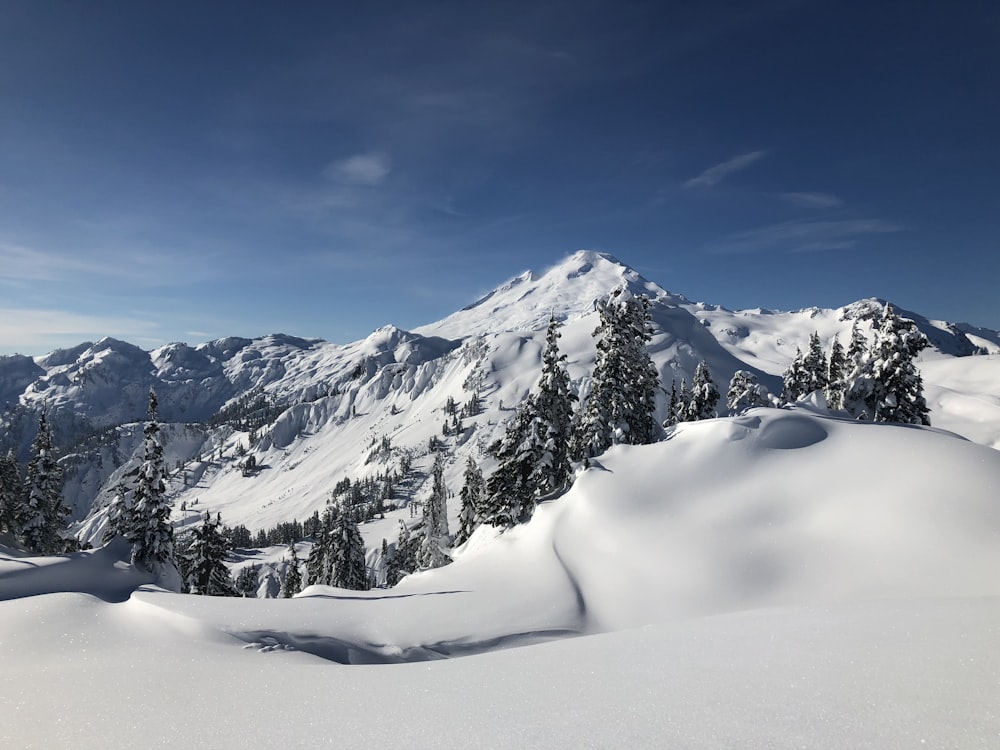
888 386
554 414
247 582
815 367
319 564
149 527
682 403
120 513
42 521
347 555
293 578
622 397
404 559
672 405
534 454
704 395
473 493
796 380
510 490
204 562
836 375
436 538
744 393
11 494
857 350
642 373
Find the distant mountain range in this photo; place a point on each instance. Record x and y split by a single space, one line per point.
313 413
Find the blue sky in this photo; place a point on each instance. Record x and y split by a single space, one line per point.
184 171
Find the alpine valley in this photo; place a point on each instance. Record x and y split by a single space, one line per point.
785 576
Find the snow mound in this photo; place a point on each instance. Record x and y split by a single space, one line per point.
964 397
791 433
780 507
103 573
799 580
776 508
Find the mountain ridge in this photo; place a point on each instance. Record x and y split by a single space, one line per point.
321 407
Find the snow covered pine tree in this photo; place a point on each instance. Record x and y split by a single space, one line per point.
534 453
704 396
554 414
338 554
888 386
436 537
815 366
622 399
404 558
744 393
204 565
347 555
795 380
292 583
835 376
11 494
148 526
472 495
42 521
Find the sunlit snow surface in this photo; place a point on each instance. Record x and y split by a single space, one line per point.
781 579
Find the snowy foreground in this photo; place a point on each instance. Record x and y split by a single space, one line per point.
780 579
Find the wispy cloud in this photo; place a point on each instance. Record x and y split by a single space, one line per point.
812 200
21 263
803 236
716 174
370 169
132 263
30 329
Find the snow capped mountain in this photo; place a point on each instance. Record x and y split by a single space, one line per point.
568 290
321 408
824 579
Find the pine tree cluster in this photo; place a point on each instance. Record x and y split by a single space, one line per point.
250 412
338 554
546 435
887 385
285 532
695 403
880 382
622 399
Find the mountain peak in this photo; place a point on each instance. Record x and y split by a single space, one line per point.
566 290
592 257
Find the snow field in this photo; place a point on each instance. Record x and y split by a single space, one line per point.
781 579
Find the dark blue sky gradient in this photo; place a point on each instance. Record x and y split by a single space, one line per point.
183 171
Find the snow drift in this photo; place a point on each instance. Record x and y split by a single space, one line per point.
799 580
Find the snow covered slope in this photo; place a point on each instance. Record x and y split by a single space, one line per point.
780 579
777 507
